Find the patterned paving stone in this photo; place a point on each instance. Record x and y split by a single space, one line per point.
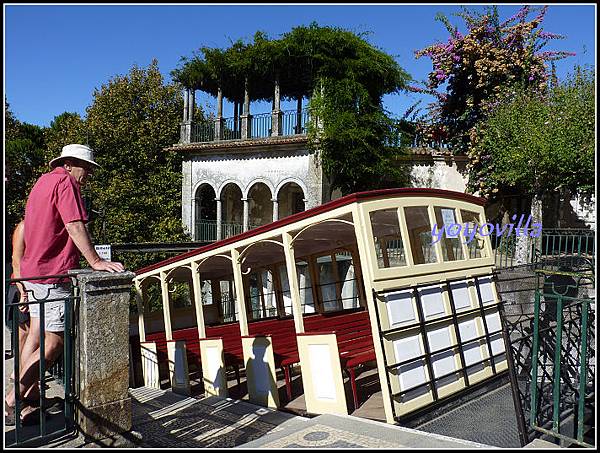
323 436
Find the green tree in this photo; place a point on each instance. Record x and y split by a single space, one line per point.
64 129
345 78
478 68
25 162
137 193
540 144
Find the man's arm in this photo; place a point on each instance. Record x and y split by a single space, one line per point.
82 240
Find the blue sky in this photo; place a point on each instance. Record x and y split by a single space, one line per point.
56 56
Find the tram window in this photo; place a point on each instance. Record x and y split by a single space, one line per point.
348 280
451 246
261 294
305 287
268 290
254 295
228 304
327 283
419 234
181 297
388 239
285 290
206 290
473 220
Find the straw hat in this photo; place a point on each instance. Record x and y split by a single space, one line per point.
81 152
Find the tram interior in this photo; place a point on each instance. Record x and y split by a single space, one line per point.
330 284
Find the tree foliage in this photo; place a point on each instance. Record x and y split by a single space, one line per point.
137 192
478 68
345 77
543 143
24 162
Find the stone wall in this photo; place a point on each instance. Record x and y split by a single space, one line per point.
269 164
102 353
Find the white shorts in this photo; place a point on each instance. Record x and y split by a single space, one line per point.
54 312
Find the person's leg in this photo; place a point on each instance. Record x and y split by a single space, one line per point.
23 332
30 351
53 345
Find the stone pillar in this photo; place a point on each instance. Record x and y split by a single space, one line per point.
245 200
246 117
186 125
276 115
275 209
299 116
219 219
219 119
192 106
102 354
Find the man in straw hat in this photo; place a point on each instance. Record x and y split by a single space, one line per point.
55 239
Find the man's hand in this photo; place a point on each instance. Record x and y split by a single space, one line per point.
82 240
109 266
23 298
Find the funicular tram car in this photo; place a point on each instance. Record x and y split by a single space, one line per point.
356 284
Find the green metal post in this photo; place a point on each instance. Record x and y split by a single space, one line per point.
582 370
68 360
16 363
557 351
42 364
534 358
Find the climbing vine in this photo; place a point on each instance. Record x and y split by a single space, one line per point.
343 75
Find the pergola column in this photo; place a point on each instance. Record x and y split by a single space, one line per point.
139 299
191 105
166 303
239 292
219 119
290 263
246 117
219 219
299 116
276 114
186 126
197 287
275 209
246 213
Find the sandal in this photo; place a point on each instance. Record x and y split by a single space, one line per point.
9 415
31 418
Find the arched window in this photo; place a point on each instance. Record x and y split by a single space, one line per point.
205 218
291 200
260 207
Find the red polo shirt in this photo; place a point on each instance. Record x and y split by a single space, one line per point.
54 201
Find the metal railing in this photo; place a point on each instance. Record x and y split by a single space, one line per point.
554 248
292 123
550 342
62 369
206 230
260 125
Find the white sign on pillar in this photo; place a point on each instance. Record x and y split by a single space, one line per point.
104 252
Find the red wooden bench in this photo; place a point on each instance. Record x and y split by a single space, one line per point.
354 339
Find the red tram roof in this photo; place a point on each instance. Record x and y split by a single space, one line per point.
329 206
